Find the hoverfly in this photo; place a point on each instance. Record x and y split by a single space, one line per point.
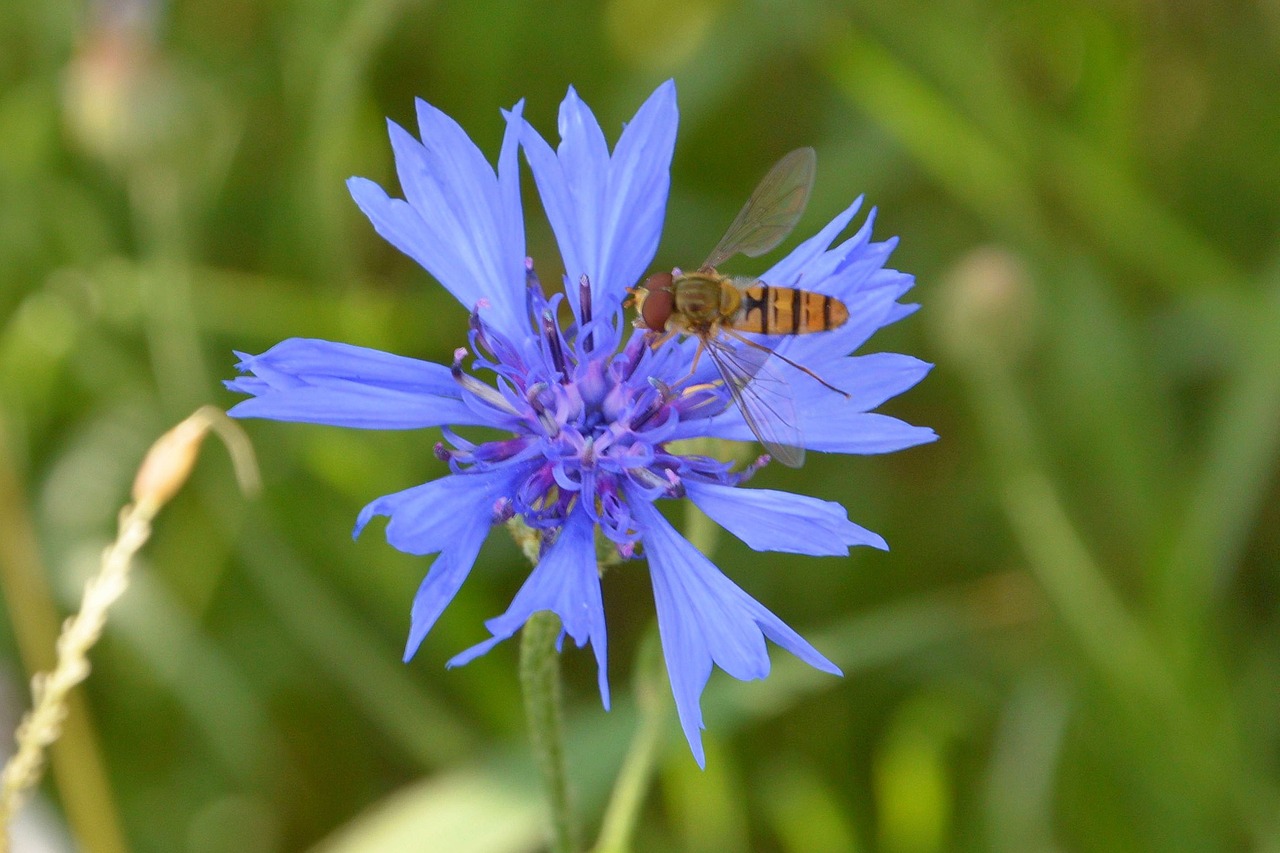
717 309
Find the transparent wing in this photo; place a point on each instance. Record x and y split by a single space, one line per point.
763 397
772 211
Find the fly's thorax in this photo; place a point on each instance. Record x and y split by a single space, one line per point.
700 298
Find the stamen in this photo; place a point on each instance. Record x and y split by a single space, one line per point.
631 355
534 296
478 337
534 396
537 394
551 333
457 440
476 387
750 471
651 479
503 510
654 408
584 308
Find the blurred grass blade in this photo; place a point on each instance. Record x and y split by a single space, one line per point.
805 813
210 687
948 146
1225 497
1026 762
372 675
1104 199
78 767
469 811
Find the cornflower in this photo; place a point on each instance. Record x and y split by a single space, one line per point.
592 411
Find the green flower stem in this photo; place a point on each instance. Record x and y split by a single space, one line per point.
544 707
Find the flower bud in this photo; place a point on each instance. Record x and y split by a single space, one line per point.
169 462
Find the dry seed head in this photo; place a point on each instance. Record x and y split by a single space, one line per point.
169 462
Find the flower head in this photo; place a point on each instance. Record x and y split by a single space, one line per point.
590 411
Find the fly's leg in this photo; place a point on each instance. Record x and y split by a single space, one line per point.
693 368
660 339
657 339
800 367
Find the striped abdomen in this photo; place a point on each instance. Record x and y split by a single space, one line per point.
772 310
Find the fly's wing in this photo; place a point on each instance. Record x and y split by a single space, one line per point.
763 397
772 211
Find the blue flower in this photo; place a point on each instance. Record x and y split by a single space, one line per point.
591 411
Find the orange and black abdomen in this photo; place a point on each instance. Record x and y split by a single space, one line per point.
770 310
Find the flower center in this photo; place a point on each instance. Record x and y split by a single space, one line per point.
589 419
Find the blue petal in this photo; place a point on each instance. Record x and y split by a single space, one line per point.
462 223
898 311
704 619
606 213
869 380
566 581
314 381
443 580
426 518
451 515
768 520
866 433
831 428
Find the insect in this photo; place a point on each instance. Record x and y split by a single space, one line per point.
717 309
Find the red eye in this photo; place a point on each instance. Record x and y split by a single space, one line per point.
658 302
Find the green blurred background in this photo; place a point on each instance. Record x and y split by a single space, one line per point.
1073 644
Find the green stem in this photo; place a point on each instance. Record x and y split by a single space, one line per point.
544 707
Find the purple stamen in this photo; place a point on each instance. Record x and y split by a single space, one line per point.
534 296
551 334
584 310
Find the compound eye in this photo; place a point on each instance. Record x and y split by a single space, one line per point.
658 301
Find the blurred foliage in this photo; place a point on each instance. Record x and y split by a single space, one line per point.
1074 643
